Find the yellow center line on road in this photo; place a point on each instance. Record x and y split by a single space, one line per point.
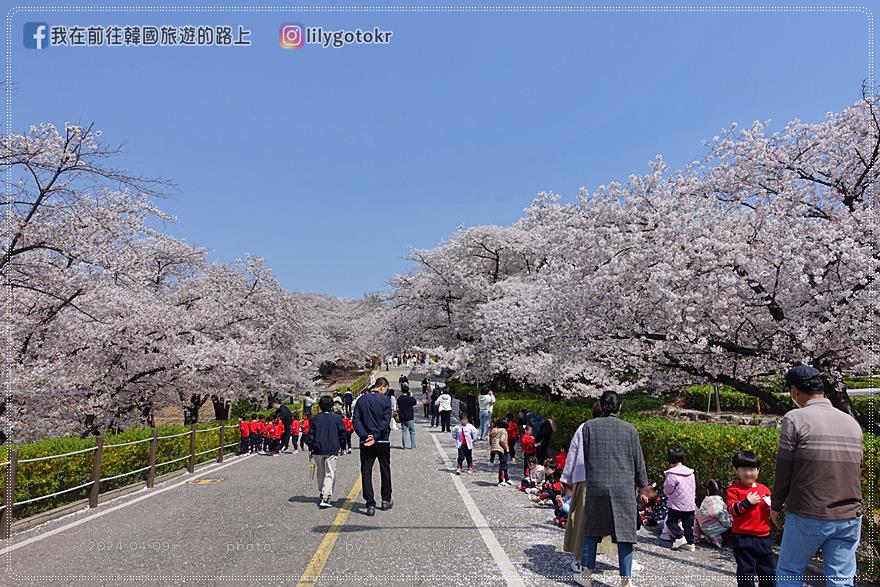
319 559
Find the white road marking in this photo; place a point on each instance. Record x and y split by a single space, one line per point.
100 512
508 571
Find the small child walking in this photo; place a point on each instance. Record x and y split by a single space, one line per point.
749 503
512 436
465 434
680 488
245 431
498 444
528 448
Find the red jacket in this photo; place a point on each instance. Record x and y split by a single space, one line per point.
349 427
560 460
528 445
748 519
255 426
294 427
245 429
277 430
512 431
305 426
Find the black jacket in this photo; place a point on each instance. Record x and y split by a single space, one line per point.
405 405
285 415
326 434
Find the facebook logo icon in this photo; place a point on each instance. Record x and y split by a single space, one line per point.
36 35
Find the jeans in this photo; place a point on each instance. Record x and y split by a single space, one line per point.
411 426
624 555
803 536
435 416
326 474
485 423
380 451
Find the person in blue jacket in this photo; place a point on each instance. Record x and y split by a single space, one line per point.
372 423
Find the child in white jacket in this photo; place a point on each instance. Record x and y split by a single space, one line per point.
464 435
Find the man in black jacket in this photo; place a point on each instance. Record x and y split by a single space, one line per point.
286 419
406 404
372 422
325 440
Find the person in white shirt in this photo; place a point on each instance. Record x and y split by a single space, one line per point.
444 406
464 434
486 402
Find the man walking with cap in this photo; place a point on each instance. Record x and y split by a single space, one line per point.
372 422
818 482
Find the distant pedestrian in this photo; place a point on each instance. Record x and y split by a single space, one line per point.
325 440
372 423
308 402
486 402
406 404
402 380
435 409
286 417
444 406
348 399
426 401
817 482
464 434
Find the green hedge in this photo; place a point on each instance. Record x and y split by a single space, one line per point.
45 477
696 397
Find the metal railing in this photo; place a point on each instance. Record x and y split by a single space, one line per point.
11 466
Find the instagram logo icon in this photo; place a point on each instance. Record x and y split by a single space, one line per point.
291 36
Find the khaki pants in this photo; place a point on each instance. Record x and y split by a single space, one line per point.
326 474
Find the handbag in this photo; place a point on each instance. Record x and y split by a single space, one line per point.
396 416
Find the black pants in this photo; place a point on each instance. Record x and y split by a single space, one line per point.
754 557
544 435
348 410
245 445
435 416
285 438
347 441
511 446
687 524
465 454
427 409
444 421
503 459
369 455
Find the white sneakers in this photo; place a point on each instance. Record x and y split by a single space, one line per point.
678 543
584 578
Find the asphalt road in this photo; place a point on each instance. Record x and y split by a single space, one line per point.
257 524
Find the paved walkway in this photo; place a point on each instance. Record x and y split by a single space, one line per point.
258 525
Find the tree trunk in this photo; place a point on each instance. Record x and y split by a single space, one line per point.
221 408
835 390
191 410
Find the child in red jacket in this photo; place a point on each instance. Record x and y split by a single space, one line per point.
561 457
245 431
256 433
749 503
512 436
277 433
294 433
349 429
528 447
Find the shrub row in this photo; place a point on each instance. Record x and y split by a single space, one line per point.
52 475
697 397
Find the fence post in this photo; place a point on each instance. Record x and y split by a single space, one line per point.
222 441
717 398
191 464
151 472
9 494
96 472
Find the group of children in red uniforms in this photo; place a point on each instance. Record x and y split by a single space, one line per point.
262 434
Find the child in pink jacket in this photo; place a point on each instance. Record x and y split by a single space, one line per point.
681 500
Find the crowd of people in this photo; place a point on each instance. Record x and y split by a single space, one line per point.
598 488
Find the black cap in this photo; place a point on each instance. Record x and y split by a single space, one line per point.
797 376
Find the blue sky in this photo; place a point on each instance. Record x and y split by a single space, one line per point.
332 163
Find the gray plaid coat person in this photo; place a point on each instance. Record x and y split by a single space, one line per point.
615 467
